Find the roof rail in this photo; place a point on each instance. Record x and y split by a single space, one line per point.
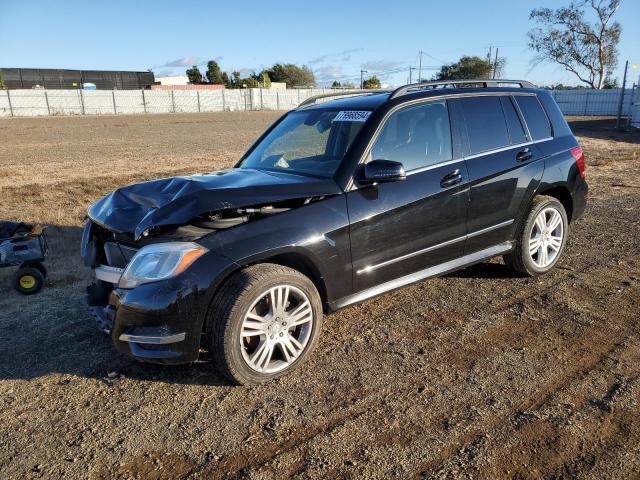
486 83
312 100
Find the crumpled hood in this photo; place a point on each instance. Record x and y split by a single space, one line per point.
177 200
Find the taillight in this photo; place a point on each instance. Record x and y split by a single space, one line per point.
578 155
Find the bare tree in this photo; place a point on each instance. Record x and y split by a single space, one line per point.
566 37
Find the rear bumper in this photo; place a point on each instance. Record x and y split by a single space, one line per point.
580 198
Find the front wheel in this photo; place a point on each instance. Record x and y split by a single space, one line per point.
541 239
263 323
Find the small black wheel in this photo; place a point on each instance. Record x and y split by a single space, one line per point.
28 280
263 323
541 238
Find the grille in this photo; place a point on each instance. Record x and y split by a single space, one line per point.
118 255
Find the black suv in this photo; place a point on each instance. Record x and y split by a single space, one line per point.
337 202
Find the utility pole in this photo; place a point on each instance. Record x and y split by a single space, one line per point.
362 72
410 71
420 53
624 84
495 65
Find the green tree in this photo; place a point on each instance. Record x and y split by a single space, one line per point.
336 84
195 77
292 75
225 80
214 74
466 68
565 36
1 80
266 81
235 81
371 83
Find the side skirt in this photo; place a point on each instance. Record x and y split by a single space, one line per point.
434 271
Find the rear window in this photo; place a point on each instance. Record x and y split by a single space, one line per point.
485 122
535 117
516 130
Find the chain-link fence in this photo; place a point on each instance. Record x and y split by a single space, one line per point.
34 102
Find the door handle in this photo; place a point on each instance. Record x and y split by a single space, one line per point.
451 178
524 155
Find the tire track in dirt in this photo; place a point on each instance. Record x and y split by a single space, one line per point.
479 348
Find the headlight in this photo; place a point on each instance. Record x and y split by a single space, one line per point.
160 261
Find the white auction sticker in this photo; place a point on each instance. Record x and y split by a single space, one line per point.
352 116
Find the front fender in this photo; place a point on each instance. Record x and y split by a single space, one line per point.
318 231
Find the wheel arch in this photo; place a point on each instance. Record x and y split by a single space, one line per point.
293 259
303 264
560 193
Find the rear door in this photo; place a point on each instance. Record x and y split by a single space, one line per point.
402 227
504 167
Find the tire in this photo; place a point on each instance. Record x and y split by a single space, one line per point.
28 280
235 340
521 259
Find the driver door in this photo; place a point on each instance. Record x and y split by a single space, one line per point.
406 226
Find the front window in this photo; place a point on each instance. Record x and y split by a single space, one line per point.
311 142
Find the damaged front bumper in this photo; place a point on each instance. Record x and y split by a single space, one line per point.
161 328
158 322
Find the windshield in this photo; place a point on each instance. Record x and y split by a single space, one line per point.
309 142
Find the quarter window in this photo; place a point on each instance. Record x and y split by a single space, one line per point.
516 130
534 115
416 136
485 122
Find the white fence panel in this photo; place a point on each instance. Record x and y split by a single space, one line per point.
64 102
159 101
98 102
236 99
186 101
635 109
5 106
592 102
268 100
28 103
288 99
129 101
212 100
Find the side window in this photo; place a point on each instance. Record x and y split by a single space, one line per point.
485 122
416 136
535 116
516 130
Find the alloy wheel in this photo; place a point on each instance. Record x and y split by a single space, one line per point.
276 329
545 240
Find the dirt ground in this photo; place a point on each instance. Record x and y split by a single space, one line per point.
479 374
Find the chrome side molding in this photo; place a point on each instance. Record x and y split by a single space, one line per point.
434 247
441 269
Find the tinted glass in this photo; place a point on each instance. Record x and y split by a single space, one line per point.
311 142
535 117
516 130
485 123
416 136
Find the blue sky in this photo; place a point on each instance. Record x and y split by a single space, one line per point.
334 38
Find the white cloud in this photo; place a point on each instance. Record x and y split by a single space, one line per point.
187 61
375 65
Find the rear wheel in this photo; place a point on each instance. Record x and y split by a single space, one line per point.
263 323
28 280
541 239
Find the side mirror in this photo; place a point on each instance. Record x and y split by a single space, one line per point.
381 171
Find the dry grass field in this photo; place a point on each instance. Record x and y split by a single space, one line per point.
479 374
